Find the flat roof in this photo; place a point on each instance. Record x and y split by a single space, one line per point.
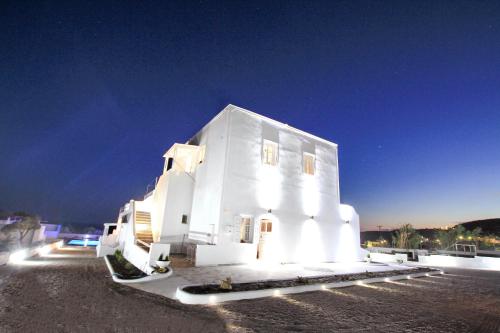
277 123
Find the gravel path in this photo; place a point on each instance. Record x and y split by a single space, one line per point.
462 301
71 291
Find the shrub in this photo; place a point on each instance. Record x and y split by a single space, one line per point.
226 284
302 280
119 256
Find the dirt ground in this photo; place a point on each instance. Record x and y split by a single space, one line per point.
71 291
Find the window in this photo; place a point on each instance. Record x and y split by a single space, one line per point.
270 153
245 230
184 219
266 226
309 160
170 163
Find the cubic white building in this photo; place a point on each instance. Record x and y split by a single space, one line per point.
245 188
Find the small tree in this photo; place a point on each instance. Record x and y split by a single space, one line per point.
406 237
23 227
448 238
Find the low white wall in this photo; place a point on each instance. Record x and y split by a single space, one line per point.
104 250
155 251
207 255
384 257
138 257
488 263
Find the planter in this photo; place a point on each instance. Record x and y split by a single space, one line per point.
185 294
162 263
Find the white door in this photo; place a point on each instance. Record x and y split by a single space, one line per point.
265 239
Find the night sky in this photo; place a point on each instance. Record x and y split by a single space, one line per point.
92 95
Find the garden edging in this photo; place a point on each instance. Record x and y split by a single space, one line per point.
148 278
189 298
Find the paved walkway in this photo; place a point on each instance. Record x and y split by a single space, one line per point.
255 272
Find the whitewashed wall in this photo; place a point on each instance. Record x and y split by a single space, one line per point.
488 263
179 199
209 175
251 188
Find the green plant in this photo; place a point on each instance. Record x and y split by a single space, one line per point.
161 258
161 270
226 284
119 256
302 280
406 237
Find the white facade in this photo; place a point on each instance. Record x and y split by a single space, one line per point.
247 188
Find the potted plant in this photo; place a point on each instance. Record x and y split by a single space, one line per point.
162 261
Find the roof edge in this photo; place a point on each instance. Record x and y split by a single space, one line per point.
275 122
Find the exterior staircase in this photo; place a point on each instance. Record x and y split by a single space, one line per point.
143 233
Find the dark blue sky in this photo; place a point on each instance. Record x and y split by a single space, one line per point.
92 94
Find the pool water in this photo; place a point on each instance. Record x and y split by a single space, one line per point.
81 242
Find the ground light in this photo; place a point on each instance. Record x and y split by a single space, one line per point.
18 256
44 250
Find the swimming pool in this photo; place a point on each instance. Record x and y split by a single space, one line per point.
82 242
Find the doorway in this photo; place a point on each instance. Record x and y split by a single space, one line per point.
265 239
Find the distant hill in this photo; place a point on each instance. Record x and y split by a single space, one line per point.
488 226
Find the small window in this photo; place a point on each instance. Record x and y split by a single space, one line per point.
245 230
270 153
266 226
111 229
184 219
170 163
309 160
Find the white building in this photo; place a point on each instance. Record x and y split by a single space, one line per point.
244 188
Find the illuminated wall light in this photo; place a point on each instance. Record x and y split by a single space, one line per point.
323 287
310 248
427 274
311 198
212 299
360 283
387 280
269 188
347 246
277 292
346 213
408 277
